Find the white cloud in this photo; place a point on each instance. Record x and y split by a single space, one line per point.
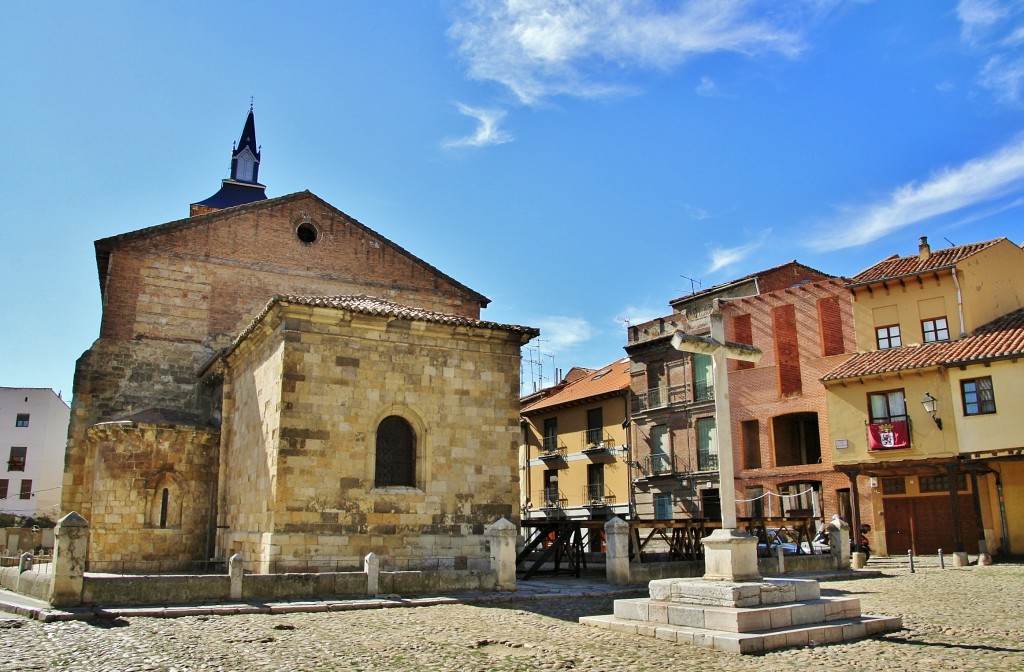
977 18
638 314
1005 78
487 131
543 48
723 257
995 29
707 87
559 333
977 183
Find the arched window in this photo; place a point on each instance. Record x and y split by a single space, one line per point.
164 501
396 453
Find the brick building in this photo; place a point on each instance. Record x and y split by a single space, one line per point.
186 308
673 414
780 429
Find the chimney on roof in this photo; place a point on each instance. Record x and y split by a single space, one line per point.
924 248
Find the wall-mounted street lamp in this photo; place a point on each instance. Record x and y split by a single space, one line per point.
931 406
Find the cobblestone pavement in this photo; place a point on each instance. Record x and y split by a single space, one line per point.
954 619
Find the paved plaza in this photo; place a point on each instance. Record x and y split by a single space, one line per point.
954 619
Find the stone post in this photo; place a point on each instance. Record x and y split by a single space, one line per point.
371 565
839 539
782 559
24 564
503 553
616 535
70 550
236 573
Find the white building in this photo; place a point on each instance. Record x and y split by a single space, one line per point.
33 433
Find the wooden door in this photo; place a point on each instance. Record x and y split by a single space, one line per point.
899 532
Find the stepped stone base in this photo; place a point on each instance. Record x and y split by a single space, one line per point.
745 617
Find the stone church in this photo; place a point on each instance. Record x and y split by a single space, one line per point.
274 378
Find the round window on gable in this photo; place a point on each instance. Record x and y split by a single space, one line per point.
307 233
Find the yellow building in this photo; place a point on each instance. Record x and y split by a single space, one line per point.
928 407
575 448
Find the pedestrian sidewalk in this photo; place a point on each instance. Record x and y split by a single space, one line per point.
534 589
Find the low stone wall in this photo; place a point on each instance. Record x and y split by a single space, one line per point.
296 586
30 582
794 564
123 590
439 582
126 590
642 572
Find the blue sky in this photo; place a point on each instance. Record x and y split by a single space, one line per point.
577 162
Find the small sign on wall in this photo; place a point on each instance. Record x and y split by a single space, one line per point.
842 444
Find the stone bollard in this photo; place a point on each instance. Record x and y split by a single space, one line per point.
24 564
371 566
70 550
616 536
503 553
236 573
942 560
839 539
910 557
782 559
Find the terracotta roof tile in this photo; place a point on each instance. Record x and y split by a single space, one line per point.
607 380
369 305
998 339
897 266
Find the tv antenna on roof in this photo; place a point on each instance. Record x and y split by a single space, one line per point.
694 283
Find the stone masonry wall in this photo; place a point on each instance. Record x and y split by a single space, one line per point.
177 293
343 374
134 464
249 444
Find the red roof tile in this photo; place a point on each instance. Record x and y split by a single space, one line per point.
897 266
608 380
1001 338
369 305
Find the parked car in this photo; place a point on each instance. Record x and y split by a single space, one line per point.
787 540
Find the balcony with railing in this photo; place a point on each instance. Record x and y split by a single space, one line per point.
596 441
660 464
661 397
703 390
597 495
553 449
707 460
552 499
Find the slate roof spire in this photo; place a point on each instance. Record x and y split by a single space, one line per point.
245 155
243 186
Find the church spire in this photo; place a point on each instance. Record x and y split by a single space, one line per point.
245 156
243 186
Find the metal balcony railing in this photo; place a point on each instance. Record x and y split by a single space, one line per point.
552 448
552 498
596 494
707 461
596 439
657 464
703 390
662 397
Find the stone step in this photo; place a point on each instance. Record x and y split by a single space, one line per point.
738 619
833 632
